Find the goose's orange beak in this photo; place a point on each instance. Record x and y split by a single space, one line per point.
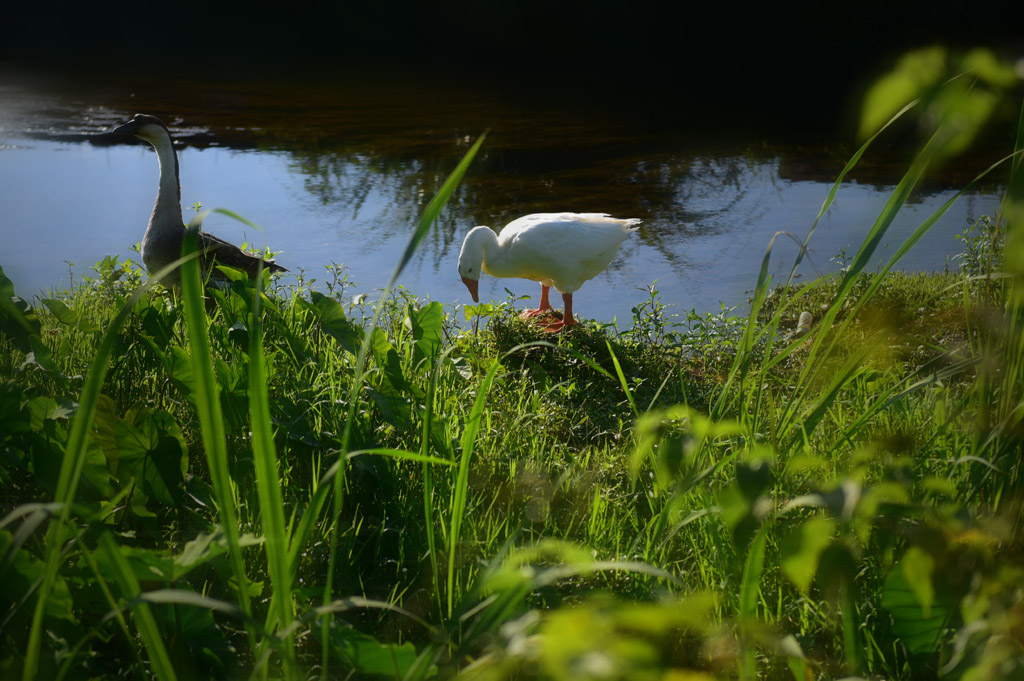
473 285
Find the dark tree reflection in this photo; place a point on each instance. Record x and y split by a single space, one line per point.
372 152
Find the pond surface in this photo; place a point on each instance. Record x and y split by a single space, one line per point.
339 173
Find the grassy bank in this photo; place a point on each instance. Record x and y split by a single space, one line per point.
292 483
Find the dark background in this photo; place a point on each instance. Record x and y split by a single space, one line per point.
713 60
760 43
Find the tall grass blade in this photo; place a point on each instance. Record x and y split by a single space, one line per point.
459 494
268 483
401 454
129 585
191 599
1010 407
428 480
750 587
310 516
743 352
434 208
851 625
211 420
622 379
830 197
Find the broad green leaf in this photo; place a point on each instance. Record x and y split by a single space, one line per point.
43 409
963 112
795 657
153 449
481 310
41 357
239 335
69 317
104 430
752 569
146 565
802 549
463 367
395 408
199 645
15 418
837 567
918 631
753 477
47 416
984 63
233 393
207 547
918 566
736 512
96 485
331 316
19 581
179 370
368 656
427 325
233 274
18 321
157 321
914 73
386 357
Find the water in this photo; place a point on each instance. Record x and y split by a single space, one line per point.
340 172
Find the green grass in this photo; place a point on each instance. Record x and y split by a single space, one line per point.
281 483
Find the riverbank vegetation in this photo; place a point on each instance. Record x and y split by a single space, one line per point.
253 481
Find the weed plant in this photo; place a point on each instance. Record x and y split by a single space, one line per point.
251 481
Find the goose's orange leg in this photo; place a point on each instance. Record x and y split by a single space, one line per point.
545 305
567 319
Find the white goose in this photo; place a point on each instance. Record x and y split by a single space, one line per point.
556 249
161 244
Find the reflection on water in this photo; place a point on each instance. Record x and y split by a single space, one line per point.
341 174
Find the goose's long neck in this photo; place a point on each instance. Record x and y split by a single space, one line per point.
167 209
493 254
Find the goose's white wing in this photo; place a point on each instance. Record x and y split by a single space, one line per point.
562 250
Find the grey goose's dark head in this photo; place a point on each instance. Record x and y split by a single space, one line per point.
143 126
